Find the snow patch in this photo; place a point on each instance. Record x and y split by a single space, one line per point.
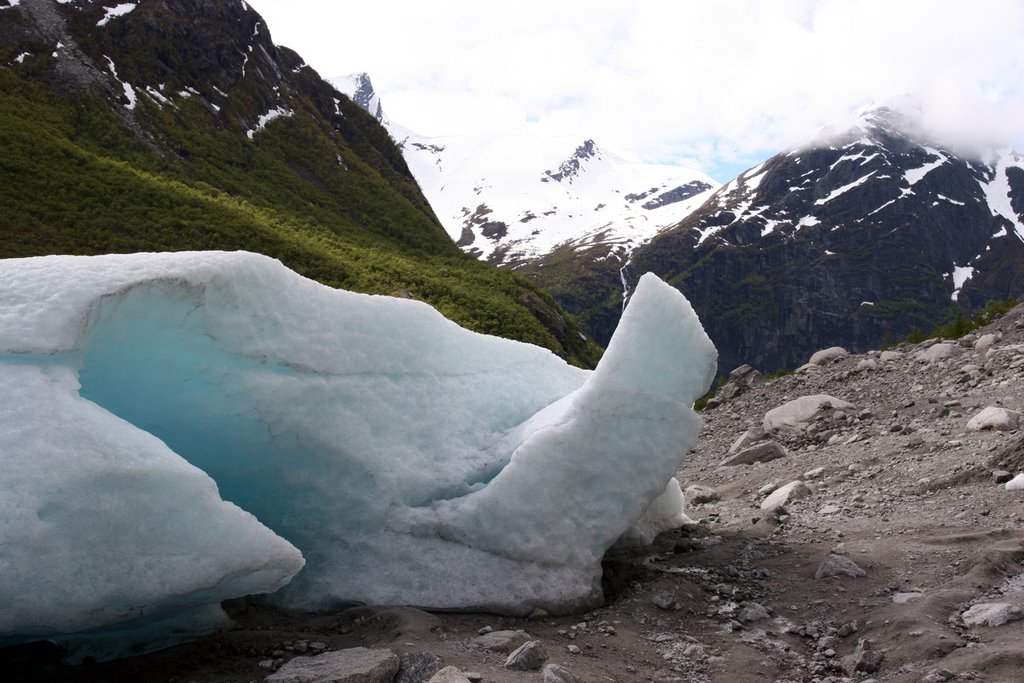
961 274
115 12
915 175
844 189
997 191
129 92
267 118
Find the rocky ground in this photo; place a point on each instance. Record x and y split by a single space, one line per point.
900 556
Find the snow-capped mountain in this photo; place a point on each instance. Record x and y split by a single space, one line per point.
510 199
870 229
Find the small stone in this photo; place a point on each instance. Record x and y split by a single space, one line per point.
782 496
1001 476
762 452
552 673
814 473
867 365
501 641
665 601
529 657
485 630
573 649
752 611
538 614
449 674
836 565
829 509
698 495
991 614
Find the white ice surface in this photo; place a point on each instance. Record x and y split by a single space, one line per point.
410 460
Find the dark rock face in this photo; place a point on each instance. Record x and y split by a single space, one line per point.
570 168
676 194
846 243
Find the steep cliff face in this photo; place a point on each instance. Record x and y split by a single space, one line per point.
162 125
867 232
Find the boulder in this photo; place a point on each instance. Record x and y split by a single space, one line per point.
747 438
985 341
416 667
354 665
699 494
529 657
828 355
552 673
762 452
799 413
836 565
865 659
887 356
781 497
867 364
449 674
992 614
937 352
995 418
501 641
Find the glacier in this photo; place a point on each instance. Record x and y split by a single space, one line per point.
178 429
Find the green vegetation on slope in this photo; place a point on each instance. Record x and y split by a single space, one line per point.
75 180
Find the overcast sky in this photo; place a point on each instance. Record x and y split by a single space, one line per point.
715 84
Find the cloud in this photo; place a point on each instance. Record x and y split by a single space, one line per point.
714 83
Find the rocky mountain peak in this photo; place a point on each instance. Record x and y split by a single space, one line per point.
360 90
574 165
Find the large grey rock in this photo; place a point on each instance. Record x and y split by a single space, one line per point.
985 341
501 641
799 413
992 614
762 452
781 496
553 673
417 667
529 657
887 356
994 417
836 565
828 355
938 352
355 665
449 674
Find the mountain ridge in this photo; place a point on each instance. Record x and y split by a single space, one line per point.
511 199
862 235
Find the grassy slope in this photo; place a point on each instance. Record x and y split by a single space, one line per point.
74 180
